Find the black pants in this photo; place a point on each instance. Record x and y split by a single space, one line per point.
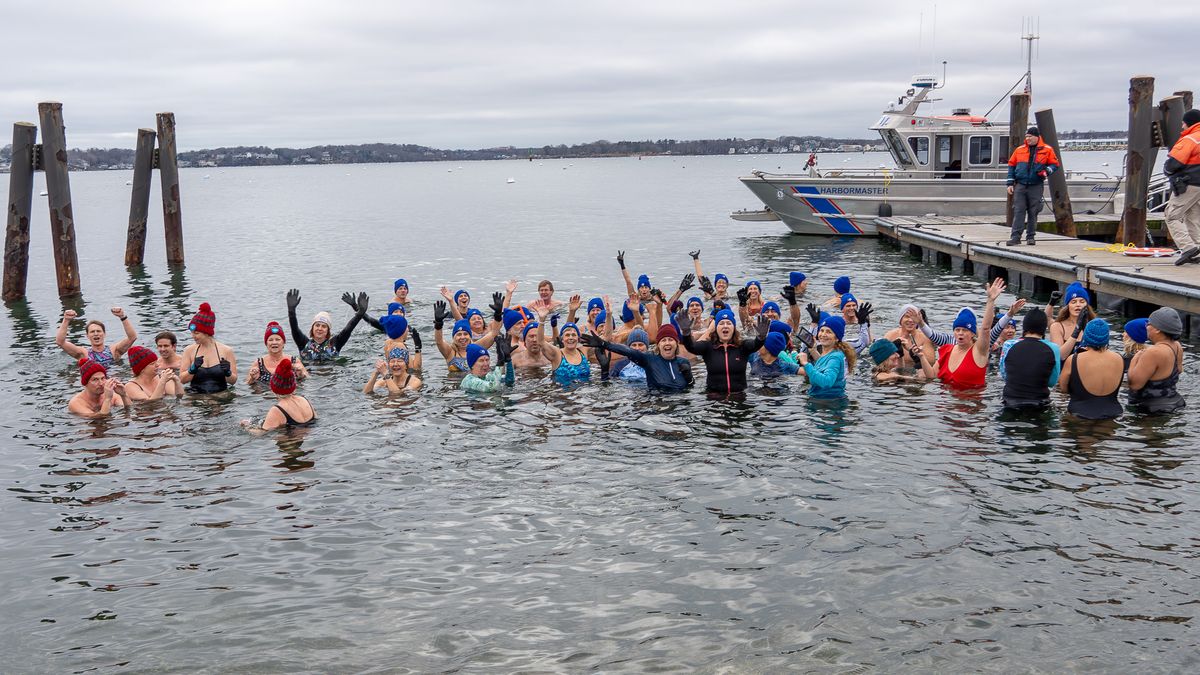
1027 204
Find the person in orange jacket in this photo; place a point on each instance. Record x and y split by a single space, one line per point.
1028 169
1183 209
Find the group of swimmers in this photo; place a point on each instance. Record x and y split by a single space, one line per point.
650 338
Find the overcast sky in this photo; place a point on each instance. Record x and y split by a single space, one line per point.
468 74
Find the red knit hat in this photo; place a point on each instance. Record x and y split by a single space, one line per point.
205 320
140 357
88 368
274 328
666 331
284 380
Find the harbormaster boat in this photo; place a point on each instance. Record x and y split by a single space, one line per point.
948 165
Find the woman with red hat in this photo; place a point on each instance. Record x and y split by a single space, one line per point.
265 365
208 365
291 410
100 392
150 383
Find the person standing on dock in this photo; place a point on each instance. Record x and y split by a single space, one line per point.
1183 209
1028 169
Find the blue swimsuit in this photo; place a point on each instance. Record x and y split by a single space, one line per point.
568 372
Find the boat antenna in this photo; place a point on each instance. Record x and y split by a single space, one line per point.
1029 35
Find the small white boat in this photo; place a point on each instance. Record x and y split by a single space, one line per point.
43 193
511 180
206 176
129 182
754 216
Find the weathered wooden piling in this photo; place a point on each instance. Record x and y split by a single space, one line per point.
1171 108
20 203
1064 221
1018 121
1139 160
58 187
139 202
168 171
1187 99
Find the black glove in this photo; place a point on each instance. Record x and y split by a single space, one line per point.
348 298
592 340
863 313
657 293
416 340
789 294
293 299
441 311
706 286
361 303
743 296
924 318
1055 297
695 254
720 305
685 324
916 355
604 359
621 259
504 349
226 368
497 306
197 364
689 280
1080 323
763 326
814 312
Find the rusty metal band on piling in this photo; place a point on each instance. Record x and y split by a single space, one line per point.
139 201
1064 222
58 187
168 171
1139 160
20 203
1018 120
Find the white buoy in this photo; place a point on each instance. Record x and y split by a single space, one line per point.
511 180
43 193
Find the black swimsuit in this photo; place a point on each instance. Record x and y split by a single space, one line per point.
291 423
1087 405
1160 396
209 379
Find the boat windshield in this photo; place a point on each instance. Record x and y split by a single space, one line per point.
896 147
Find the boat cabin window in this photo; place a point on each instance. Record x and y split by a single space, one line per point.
896 147
979 150
920 148
943 150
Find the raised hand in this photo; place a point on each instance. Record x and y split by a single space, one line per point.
592 340
695 254
706 286
554 324
293 299
863 313
689 280
348 298
574 303
511 286
497 306
763 326
814 312
416 339
504 349
70 315
621 259
743 296
789 294
117 312
1080 323
995 288
381 367
441 311
1016 307
684 323
361 302
446 293
657 293
1055 298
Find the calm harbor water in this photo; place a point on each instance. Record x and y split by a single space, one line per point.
596 529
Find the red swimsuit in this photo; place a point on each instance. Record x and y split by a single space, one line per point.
969 374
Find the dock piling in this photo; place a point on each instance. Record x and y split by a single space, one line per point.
58 187
1018 120
1064 222
1187 99
1139 160
168 169
1172 111
20 203
139 203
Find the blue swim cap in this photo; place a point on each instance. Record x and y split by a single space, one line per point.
696 300
627 314
775 343
398 284
796 278
841 285
847 297
394 325
779 327
461 326
643 281
720 277
600 319
472 312
966 319
1136 330
1076 290
461 291
771 307
512 317
638 335
834 323
528 327
595 303
474 352
571 325
725 315
1095 333
393 307
754 282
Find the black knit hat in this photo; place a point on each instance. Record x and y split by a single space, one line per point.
1191 117
1033 131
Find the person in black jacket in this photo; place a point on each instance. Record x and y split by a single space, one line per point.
725 354
1030 366
319 345
665 371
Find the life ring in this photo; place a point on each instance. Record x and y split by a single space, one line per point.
1149 252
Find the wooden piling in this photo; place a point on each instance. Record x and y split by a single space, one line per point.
20 203
168 171
1187 99
1064 221
1139 160
1018 121
139 201
1172 111
58 187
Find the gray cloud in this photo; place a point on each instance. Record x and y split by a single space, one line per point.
476 74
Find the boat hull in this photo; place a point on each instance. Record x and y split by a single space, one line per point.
848 207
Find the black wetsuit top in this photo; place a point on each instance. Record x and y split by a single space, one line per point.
1160 396
726 363
1087 405
666 374
323 351
1027 369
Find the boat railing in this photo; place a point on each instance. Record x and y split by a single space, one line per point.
1158 193
970 174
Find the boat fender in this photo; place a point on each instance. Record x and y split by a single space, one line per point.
885 210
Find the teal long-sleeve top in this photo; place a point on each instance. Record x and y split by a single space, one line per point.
827 375
491 382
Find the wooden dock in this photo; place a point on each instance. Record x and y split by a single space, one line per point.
1130 285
